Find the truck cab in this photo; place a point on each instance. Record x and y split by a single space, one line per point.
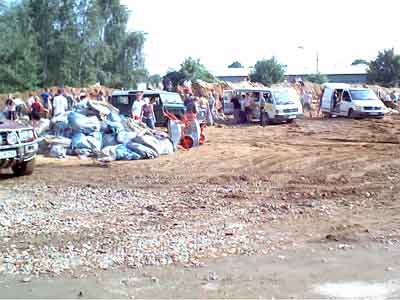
164 101
344 100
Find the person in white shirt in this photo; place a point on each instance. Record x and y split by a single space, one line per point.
137 107
307 100
60 103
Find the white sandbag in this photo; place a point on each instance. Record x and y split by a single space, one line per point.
124 153
108 153
57 140
149 141
61 118
81 123
144 151
175 132
165 146
100 108
95 141
57 151
112 127
44 125
124 137
79 141
109 140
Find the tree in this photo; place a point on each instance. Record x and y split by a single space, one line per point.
193 70
18 56
268 72
155 80
235 64
68 42
316 78
385 69
359 62
174 77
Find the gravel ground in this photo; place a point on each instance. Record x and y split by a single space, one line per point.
249 191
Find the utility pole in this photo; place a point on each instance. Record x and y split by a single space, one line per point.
317 63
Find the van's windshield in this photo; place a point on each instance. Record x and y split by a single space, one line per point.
282 97
363 95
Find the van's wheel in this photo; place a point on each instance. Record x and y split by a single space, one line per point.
351 113
290 121
326 115
24 168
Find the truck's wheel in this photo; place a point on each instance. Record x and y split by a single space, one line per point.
24 168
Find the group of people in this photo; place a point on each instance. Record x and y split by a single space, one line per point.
390 99
206 103
243 108
143 110
49 103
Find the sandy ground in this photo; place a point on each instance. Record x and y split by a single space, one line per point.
324 192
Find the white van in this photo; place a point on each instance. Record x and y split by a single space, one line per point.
282 104
343 100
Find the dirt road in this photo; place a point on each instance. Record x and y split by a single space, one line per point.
248 191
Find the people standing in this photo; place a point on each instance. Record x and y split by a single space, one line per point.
36 111
20 107
11 108
263 102
307 101
30 102
248 107
60 103
236 109
137 106
68 94
212 106
101 97
243 109
148 116
191 107
46 100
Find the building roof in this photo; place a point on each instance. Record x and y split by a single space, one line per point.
336 70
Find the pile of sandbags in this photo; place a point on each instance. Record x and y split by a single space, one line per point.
96 129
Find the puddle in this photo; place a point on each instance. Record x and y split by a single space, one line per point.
358 290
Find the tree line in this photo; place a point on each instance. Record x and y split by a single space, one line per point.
68 43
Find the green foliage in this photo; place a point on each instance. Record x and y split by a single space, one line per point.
191 69
385 69
316 78
69 42
235 64
359 62
154 80
175 77
268 72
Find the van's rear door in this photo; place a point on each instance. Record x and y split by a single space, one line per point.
326 105
228 106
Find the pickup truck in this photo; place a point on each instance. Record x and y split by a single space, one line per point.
18 147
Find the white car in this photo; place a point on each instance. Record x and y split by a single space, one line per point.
343 100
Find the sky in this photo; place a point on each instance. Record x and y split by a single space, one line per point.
219 32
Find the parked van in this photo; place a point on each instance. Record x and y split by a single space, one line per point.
165 101
282 104
343 100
